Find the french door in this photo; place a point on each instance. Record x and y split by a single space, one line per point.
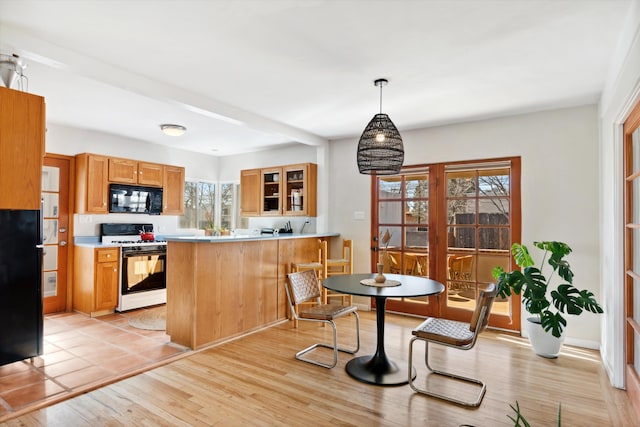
453 223
55 205
632 255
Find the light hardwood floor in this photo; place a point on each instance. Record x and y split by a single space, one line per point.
256 381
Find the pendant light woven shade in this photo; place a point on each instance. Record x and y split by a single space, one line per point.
380 156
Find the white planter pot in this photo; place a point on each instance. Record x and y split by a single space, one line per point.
543 343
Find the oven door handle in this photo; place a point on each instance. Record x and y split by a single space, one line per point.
142 253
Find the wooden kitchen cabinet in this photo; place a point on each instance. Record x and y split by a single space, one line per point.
126 171
250 192
173 193
96 279
22 133
95 172
92 185
299 189
289 190
271 192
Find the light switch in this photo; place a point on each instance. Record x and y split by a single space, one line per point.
358 215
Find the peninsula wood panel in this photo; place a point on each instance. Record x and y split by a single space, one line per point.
181 292
220 290
292 251
22 129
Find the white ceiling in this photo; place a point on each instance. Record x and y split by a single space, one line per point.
245 75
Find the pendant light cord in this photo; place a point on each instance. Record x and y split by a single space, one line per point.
380 98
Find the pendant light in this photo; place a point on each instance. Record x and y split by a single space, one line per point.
380 150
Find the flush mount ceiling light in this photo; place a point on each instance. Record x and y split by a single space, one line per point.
173 130
380 150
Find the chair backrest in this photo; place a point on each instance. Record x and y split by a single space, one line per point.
322 256
480 317
347 249
303 286
466 268
455 267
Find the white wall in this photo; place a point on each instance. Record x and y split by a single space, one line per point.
622 92
559 151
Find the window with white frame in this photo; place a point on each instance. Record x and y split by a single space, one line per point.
208 205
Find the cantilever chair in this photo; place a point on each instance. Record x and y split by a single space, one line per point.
304 286
454 334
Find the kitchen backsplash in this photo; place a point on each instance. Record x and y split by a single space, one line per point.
89 225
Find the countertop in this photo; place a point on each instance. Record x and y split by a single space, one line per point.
246 237
94 242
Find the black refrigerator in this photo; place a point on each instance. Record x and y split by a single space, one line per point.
21 321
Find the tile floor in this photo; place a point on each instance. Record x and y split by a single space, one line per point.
81 354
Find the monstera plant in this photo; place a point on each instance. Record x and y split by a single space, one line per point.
548 304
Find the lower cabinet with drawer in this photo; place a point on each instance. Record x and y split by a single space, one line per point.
96 278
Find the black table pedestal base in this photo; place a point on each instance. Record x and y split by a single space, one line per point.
372 370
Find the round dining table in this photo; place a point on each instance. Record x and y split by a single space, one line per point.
378 368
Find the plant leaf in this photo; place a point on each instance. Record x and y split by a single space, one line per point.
556 260
521 255
589 302
567 299
553 322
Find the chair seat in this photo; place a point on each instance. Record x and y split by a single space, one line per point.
338 261
308 265
326 311
445 331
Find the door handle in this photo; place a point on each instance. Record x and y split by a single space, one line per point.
63 230
63 243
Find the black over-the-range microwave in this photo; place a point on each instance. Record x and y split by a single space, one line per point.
135 199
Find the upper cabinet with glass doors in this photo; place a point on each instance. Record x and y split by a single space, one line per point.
289 190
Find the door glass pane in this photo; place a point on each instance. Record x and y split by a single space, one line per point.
636 301
394 237
493 238
416 212
50 178
416 238
50 205
461 184
636 352
390 187
50 285
493 211
635 149
461 211
462 237
50 259
494 182
390 213
416 264
417 186
50 232
636 250
392 261
635 215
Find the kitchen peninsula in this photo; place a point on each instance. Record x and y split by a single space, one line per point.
222 287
